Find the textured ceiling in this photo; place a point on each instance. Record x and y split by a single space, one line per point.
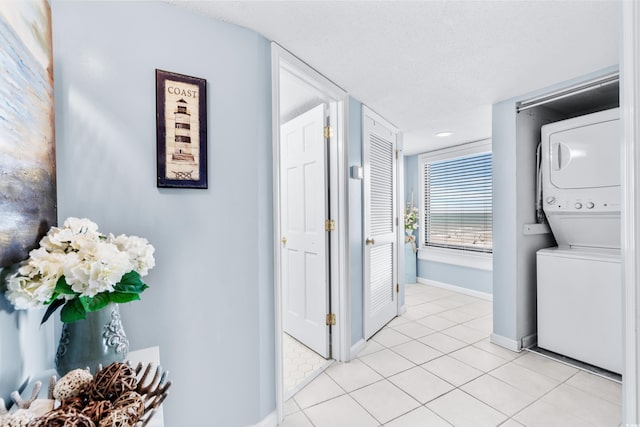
430 66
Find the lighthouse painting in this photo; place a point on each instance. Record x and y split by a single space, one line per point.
181 118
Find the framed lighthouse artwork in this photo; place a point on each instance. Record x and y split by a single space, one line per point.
181 115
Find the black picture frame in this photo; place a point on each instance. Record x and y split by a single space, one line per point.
181 130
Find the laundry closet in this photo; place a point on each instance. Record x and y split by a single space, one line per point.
578 287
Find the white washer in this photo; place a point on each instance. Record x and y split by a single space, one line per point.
580 305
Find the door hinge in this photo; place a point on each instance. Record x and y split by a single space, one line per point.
331 319
328 132
397 288
329 225
397 154
397 222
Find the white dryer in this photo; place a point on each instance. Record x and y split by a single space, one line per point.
579 283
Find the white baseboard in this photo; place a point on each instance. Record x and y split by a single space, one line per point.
471 292
403 309
270 420
357 348
530 340
505 342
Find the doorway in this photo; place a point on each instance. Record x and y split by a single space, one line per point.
311 297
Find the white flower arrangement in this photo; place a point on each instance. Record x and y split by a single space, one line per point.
82 270
411 218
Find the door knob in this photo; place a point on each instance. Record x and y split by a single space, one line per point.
370 241
284 240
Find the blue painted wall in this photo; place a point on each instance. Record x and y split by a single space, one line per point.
356 246
473 279
210 303
464 277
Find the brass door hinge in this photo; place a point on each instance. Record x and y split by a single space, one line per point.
331 319
328 132
329 225
397 288
397 154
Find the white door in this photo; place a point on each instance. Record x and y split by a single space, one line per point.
380 250
305 290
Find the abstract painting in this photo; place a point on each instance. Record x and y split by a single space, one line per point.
27 143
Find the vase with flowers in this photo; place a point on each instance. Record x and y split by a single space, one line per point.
86 274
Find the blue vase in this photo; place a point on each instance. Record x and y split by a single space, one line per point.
98 339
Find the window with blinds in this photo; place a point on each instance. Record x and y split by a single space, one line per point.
458 203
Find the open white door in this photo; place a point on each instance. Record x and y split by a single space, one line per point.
303 208
380 250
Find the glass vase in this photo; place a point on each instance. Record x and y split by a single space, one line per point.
97 339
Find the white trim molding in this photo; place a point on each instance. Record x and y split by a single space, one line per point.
505 342
630 108
270 420
357 348
471 292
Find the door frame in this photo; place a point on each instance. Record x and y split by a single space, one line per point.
630 118
338 259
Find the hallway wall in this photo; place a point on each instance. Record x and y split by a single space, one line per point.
210 303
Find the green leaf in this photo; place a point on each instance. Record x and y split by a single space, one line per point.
95 303
62 287
54 305
72 311
130 284
123 297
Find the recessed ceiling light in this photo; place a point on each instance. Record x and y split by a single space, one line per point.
442 134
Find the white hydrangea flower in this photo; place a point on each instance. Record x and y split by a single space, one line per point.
25 292
139 250
46 264
96 268
80 226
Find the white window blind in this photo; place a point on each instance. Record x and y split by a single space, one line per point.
458 203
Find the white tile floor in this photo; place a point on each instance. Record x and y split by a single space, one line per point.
300 364
434 366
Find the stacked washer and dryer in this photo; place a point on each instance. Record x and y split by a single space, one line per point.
579 283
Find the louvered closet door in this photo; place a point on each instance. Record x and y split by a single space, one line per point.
379 146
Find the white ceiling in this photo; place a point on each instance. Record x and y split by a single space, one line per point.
431 66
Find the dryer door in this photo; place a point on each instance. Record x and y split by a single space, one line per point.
586 156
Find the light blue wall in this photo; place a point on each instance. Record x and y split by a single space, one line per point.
210 303
355 222
464 277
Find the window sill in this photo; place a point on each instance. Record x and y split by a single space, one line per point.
477 260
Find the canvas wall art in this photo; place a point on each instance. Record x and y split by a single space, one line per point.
181 114
27 144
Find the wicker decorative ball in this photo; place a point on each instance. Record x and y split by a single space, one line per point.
132 403
74 383
112 381
60 418
116 418
97 410
75 403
